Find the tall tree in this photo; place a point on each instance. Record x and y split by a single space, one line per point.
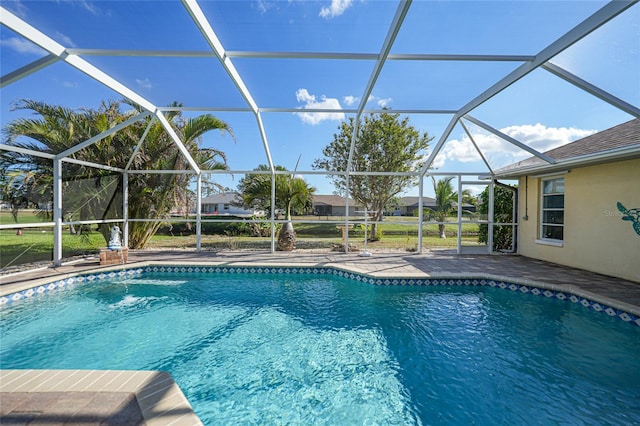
92 193
291 192
384 143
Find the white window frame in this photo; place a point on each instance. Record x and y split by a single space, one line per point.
543 239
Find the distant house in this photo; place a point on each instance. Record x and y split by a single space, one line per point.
408 206
334 205
227 204
584 210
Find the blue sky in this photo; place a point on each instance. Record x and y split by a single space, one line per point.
540 110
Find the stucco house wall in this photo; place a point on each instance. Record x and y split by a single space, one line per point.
595 236
333 205
229 203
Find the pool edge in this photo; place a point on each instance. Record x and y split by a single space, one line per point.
20 290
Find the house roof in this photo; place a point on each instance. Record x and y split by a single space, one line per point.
618 143
426 202
413 201
232 198
331 200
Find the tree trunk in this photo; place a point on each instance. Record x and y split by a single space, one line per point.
373 236
287 237
441 229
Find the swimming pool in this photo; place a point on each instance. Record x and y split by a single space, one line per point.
300 348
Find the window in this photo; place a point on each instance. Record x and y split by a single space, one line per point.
552 217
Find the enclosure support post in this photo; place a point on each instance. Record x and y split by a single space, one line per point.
459 243
514 220
57 211
346 212
273 212
490 218
420 212
125 209
198 212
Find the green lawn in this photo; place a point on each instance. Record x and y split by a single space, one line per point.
36 244
24 216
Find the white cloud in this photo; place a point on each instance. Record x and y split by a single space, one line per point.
67 84
22 46
310 102
384 103
349 100
263 6
381 102
474 189
500 152
20 9
90 7
65 40
542 138
336 8
439 161
144 84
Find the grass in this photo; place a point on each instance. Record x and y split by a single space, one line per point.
36 244
24 216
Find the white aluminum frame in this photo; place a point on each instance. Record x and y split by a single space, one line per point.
73 57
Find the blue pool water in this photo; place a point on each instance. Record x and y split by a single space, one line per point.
308 349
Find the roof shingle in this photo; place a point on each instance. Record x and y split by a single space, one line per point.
621 136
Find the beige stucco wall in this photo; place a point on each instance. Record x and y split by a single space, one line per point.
595 236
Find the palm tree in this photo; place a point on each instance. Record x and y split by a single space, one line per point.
55 130
157 194
291 192
91 193
446 198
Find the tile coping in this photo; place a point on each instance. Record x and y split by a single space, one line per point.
160 399
625 311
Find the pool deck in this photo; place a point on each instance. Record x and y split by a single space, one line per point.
92 397
30 400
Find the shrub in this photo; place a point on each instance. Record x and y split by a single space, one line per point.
502 213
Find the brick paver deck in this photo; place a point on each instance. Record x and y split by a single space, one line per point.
434 264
